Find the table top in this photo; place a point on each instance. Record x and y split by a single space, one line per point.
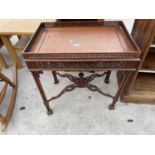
93 37
81 40
20 26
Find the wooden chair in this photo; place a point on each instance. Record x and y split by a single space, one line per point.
4 119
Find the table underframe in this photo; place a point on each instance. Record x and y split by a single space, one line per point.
79 82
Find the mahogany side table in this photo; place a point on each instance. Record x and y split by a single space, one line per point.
80 47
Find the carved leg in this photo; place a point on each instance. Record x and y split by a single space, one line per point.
107 77
36 77
56 81
115 99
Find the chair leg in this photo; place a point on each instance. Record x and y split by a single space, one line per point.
7 80
13 84
3 92
3 62
2 119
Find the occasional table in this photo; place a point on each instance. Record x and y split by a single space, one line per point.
81 47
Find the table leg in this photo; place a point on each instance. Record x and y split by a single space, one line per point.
56 81
12 51
3 62
107 77
122 84
36 76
